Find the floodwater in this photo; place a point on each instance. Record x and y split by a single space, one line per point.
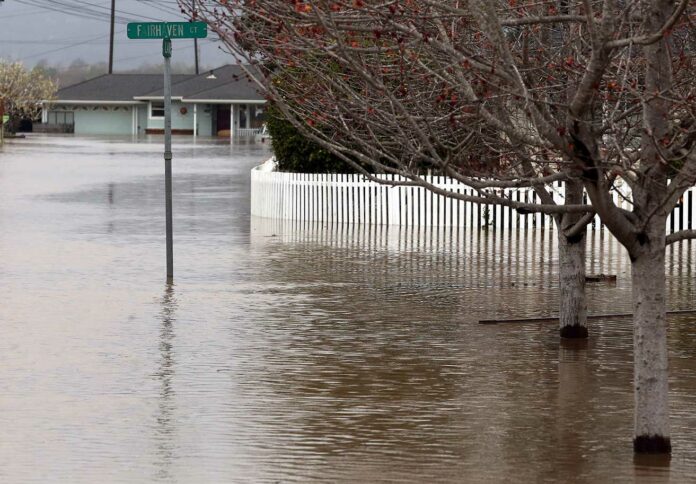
291 353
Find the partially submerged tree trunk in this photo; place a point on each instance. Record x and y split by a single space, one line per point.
648 251
650 346
571 273
572 241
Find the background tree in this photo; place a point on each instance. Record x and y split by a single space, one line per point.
79 70
21 90
505 93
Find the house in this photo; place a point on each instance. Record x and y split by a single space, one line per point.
223 102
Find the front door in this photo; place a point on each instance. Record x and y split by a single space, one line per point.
223 118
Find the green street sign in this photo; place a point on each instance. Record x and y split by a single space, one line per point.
167 30
5 118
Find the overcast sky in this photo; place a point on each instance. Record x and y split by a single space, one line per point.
61 31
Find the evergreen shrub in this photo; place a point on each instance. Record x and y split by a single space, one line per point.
295 153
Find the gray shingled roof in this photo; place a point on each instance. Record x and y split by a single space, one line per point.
116 87
230 83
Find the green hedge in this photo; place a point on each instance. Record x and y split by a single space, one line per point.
295 153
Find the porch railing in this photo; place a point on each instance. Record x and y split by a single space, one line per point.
244 132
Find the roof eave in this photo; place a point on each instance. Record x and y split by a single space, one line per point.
155 98
224 101
81 101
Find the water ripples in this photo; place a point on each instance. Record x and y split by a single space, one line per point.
292 353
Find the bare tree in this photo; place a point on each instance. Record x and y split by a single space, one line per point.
22 91
448 120
500 94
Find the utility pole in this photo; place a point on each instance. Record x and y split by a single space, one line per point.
195 48
195 40
2 119
111 39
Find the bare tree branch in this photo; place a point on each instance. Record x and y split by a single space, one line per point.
679 236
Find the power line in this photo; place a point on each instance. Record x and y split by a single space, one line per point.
84 7
21 14
158 6
138 15
91 11
88 10
53 41
68 46
82 13
61 42
92 39
178 49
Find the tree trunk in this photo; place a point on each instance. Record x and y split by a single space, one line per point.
650 349
571 270
571 273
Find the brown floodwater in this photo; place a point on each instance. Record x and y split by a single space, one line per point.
298 353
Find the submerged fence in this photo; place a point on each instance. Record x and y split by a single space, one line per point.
352 199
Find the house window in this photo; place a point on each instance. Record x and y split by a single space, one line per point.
61 118
157 109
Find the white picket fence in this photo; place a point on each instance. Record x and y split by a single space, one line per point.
352 199
246 132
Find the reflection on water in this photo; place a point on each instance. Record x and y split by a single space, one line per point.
166 426
290 352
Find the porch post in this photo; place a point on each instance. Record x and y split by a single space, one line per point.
232 121
195 120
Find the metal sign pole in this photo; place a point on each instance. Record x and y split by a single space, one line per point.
167 31
167 54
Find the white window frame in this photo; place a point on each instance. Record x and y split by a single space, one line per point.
149 110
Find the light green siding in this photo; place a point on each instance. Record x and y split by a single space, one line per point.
205 120
179 120
142 118
121 119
